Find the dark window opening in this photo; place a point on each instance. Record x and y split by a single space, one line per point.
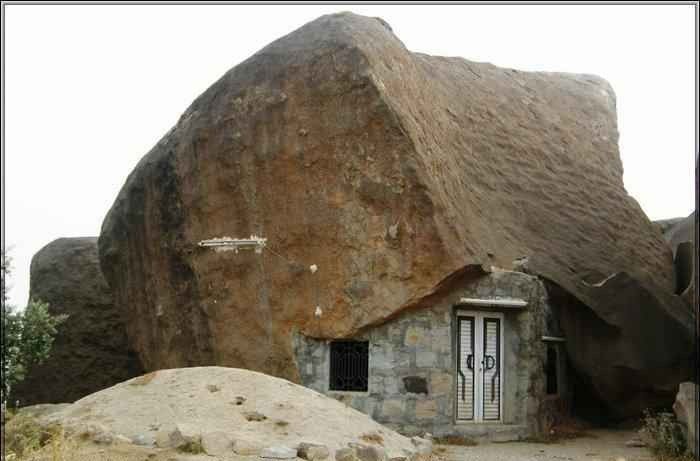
349 366
551 370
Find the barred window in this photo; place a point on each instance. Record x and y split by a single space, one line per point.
349 366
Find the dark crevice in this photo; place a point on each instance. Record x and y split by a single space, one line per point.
683 265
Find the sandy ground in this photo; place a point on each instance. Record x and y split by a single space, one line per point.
601 445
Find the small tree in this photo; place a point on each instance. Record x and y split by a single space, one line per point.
27 335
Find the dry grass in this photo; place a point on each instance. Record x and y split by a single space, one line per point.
372 437
458 440
26 439
686 457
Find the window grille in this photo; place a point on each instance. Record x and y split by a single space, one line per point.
349 366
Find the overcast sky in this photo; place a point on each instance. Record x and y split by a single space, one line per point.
90 89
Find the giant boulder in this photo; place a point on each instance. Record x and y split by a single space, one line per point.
391 171
90 351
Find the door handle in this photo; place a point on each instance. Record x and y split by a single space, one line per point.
489 362
470 360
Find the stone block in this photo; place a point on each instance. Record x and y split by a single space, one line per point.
426 409
312 451
278 452
370 453
426 359
392 408
440 383
415 336
346 454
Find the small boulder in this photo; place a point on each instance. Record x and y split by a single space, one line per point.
424 447
370 453
141 440
312 451
103 438
188 432
246 448
217 443
180 435
684 408
121 439
346 454
278 452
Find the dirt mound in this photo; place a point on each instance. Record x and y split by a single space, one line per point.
227 410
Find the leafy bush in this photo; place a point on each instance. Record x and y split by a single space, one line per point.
27 335
665 435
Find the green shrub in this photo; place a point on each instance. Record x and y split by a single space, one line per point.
27 335
665 435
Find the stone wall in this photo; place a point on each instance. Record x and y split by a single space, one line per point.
412 363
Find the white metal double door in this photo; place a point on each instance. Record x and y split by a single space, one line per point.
479 366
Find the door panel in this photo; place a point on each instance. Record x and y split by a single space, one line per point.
465 369
479 367
491 376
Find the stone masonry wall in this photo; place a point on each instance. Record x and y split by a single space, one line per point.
411 363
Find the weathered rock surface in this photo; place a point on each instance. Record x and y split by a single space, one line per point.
169 408
685 408
681 236
90 351
391 171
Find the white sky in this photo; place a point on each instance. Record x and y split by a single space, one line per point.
90 89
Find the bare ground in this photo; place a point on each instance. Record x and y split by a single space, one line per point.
599 445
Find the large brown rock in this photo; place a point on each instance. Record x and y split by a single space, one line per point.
391 171
90 351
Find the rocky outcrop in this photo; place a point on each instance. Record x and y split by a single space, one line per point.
90 351
390 171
